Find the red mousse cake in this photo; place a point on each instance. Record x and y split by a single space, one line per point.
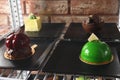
18 47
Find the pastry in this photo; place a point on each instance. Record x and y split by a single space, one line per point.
18 47
96 52
93 24
32 23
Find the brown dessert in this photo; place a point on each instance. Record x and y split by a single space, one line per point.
93 24
18 47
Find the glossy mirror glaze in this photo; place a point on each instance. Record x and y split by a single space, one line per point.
93 24
96 52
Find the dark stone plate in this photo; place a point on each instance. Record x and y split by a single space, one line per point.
31 63
65 60
109 32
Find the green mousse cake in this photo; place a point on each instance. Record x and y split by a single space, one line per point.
96 52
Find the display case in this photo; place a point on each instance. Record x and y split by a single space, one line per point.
61 39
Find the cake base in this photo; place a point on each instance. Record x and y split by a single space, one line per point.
102 63
11 57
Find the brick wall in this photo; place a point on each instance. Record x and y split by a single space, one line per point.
63 10
74 10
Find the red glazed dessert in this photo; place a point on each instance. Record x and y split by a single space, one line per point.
93 24
18 47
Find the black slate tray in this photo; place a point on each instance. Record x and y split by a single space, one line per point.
65 60
49 30
109 32
31 63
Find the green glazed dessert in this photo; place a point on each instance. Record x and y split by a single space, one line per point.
96 52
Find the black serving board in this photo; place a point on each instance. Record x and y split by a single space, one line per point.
48 30
31 63
65 60
109 32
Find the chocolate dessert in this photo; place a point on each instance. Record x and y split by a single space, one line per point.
93 24
18 47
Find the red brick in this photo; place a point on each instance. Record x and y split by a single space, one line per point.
47 7
106 18
4 6
94 6
4 24
110 18
79 19
4 29
34 7
23 7
44 19
3 20
60 19
57 7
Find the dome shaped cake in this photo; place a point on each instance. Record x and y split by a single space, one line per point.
18 47
96 52
93 24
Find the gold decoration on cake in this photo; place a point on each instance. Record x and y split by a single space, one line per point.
10 57
93 37
102 63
